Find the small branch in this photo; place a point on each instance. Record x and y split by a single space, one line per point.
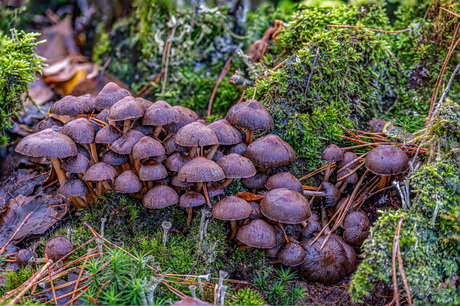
447 88
369 29
393 261
401 266
17 230
396 60
222 75
311 73
455 14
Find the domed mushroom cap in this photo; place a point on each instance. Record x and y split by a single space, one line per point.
387 160
352 179
255 214
108 134
258 234
69 106
176 161
270 152
57 247
238 148
341 202
311 230
146 103
186 116
256 182
226 134
126 108
83 151
47 123
214 189
291 254
237 166
347 158
161 113
152 171
327 265
127 182
23 256
102 116
170 145
80 130
89 100
125 144
178 183
109 95
285 206
196 134
100 172
280 242
147 147
160 196
74 187
114 159
76 164
47 143
351 254
332 153
191 199
231 208
332 194
284 180
147 130
200 169
250 115
356 225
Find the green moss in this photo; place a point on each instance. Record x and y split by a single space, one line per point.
246 296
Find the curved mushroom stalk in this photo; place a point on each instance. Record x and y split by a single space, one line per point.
227 182
57 167
79 202
192 153
384 179
93 150
249 136
157 131
233 230
328 171
213 151
126 125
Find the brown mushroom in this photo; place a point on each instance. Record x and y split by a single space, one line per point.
238 148
107 135
236 166
189 200
356 225
186 116
125 144
312 228
23 256
331 193
270 152
284 180
195 134
160 196
146 147
350 252
127 182
231 209
331 154
160 113
176 161
349 179
349 157
119 161
126 110
100 173
256 182
109 95
257 234
83 132
292 254
226 135
199 170
46 124
58 247
285 206
170 145
75 189
152 171
69 106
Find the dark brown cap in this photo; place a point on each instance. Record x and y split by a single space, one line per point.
348 157
146 103
214 189
100 172
255 214
231 208
47 143
58 247
127 182
108 134
161 113
73 187
356 225
82 150
114 159
109 95
284 180
191 199
126 108
239 148
257 234
69 106
250 115
311 230
280 241
89 100
387 160
170 145
201 169
351 179
237 166
80 130
341 202
332 153
186 116
291 254
160 196
332 194
256 182
125 144
152 171
46 124
226 134
23 256
270 152
350 251
160 158
285 206
147 147
196 134
76 164
178 183
176 161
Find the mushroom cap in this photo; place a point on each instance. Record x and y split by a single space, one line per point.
200 169
57 247
250 115
102 116
82 150
108 134
114 159
217 155
225 132
161 113
178 183
214 189
311 230
186 116
46 124
176 161
284 180
356 225
387 160
332 153
23 256
127 182
332 194
147 147
76 164
239 148
237 166
351 254
255 214
280 241
160 158
191 199
109 95
125 144
285 206
291 254
100 172
348 157
341 202
256 182
231 208
69 106
170 145
152 171
89 100
257 234
47 143
73 187
127 108
147 130
196 134
80 130
146 103
270 152
160 196
352 179
327 265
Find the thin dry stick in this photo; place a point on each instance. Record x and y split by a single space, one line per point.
311 73
51 282
205 191
317 171
100 290
170 39
455 14
15 232
80 294
153 80
401 266
393 261
351 162
222 75
351 172
447 88
369 29
79 275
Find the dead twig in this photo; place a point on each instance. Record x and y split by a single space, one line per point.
222 75
311 73
393 261
15 232
401 266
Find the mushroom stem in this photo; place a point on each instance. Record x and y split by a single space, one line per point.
249 136
192 152
314 193
93 150
106 185
199 186
227 182
149 184
131 161
57 167
189 215
119 169
205 189
125 167
285 235
213 151
383 182
99 188
328 171
233 230
126 125
245 247
344 185
324 220
274 261
113 123
137 165
157 131
78 202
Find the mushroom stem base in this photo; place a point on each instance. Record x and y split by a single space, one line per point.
189 215
233 231
249 136
383 182
227 182
57 167
212 152
78 202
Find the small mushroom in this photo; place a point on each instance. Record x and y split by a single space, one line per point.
159 114
312 228
199 170
189 200
236 166
75 189
256 182
356 225
146 147
170 145
270 152
126 110
331 193
350 179
284 180
83 132
257 234
46 124
69 106
152 171
186 116
292 254
100 173
331 154
160 196
349 157
341 202
195 134
176 161
350 252
127 182
231 209
238 148
109 95
23 256
226 135
120 161
58 247
285 206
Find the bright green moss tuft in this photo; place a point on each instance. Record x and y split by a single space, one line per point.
246 296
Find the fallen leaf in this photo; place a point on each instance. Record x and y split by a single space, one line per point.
39 92
249 197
